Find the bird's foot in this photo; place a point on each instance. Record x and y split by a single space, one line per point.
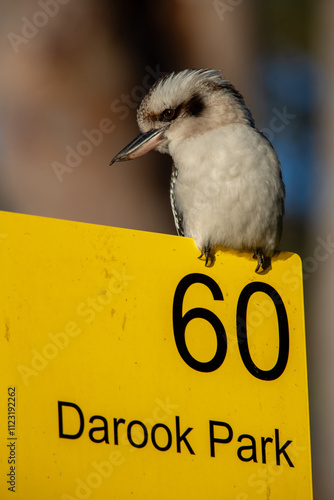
209 258
262 260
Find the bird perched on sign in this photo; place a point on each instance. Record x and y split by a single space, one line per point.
226 186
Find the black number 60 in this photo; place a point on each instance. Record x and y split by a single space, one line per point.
180 323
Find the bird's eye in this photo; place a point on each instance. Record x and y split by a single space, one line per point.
168 114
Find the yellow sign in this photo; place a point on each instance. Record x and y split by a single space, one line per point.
129 370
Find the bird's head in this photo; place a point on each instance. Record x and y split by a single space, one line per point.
183 105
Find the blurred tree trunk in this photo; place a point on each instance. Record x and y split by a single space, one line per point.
65 75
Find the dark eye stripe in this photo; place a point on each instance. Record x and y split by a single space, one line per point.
194 106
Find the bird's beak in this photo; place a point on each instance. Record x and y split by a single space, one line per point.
141 145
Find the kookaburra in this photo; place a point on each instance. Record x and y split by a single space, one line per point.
226 187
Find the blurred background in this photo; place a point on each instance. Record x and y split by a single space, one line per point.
73 74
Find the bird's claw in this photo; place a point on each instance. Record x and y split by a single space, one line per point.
209 259
262 260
